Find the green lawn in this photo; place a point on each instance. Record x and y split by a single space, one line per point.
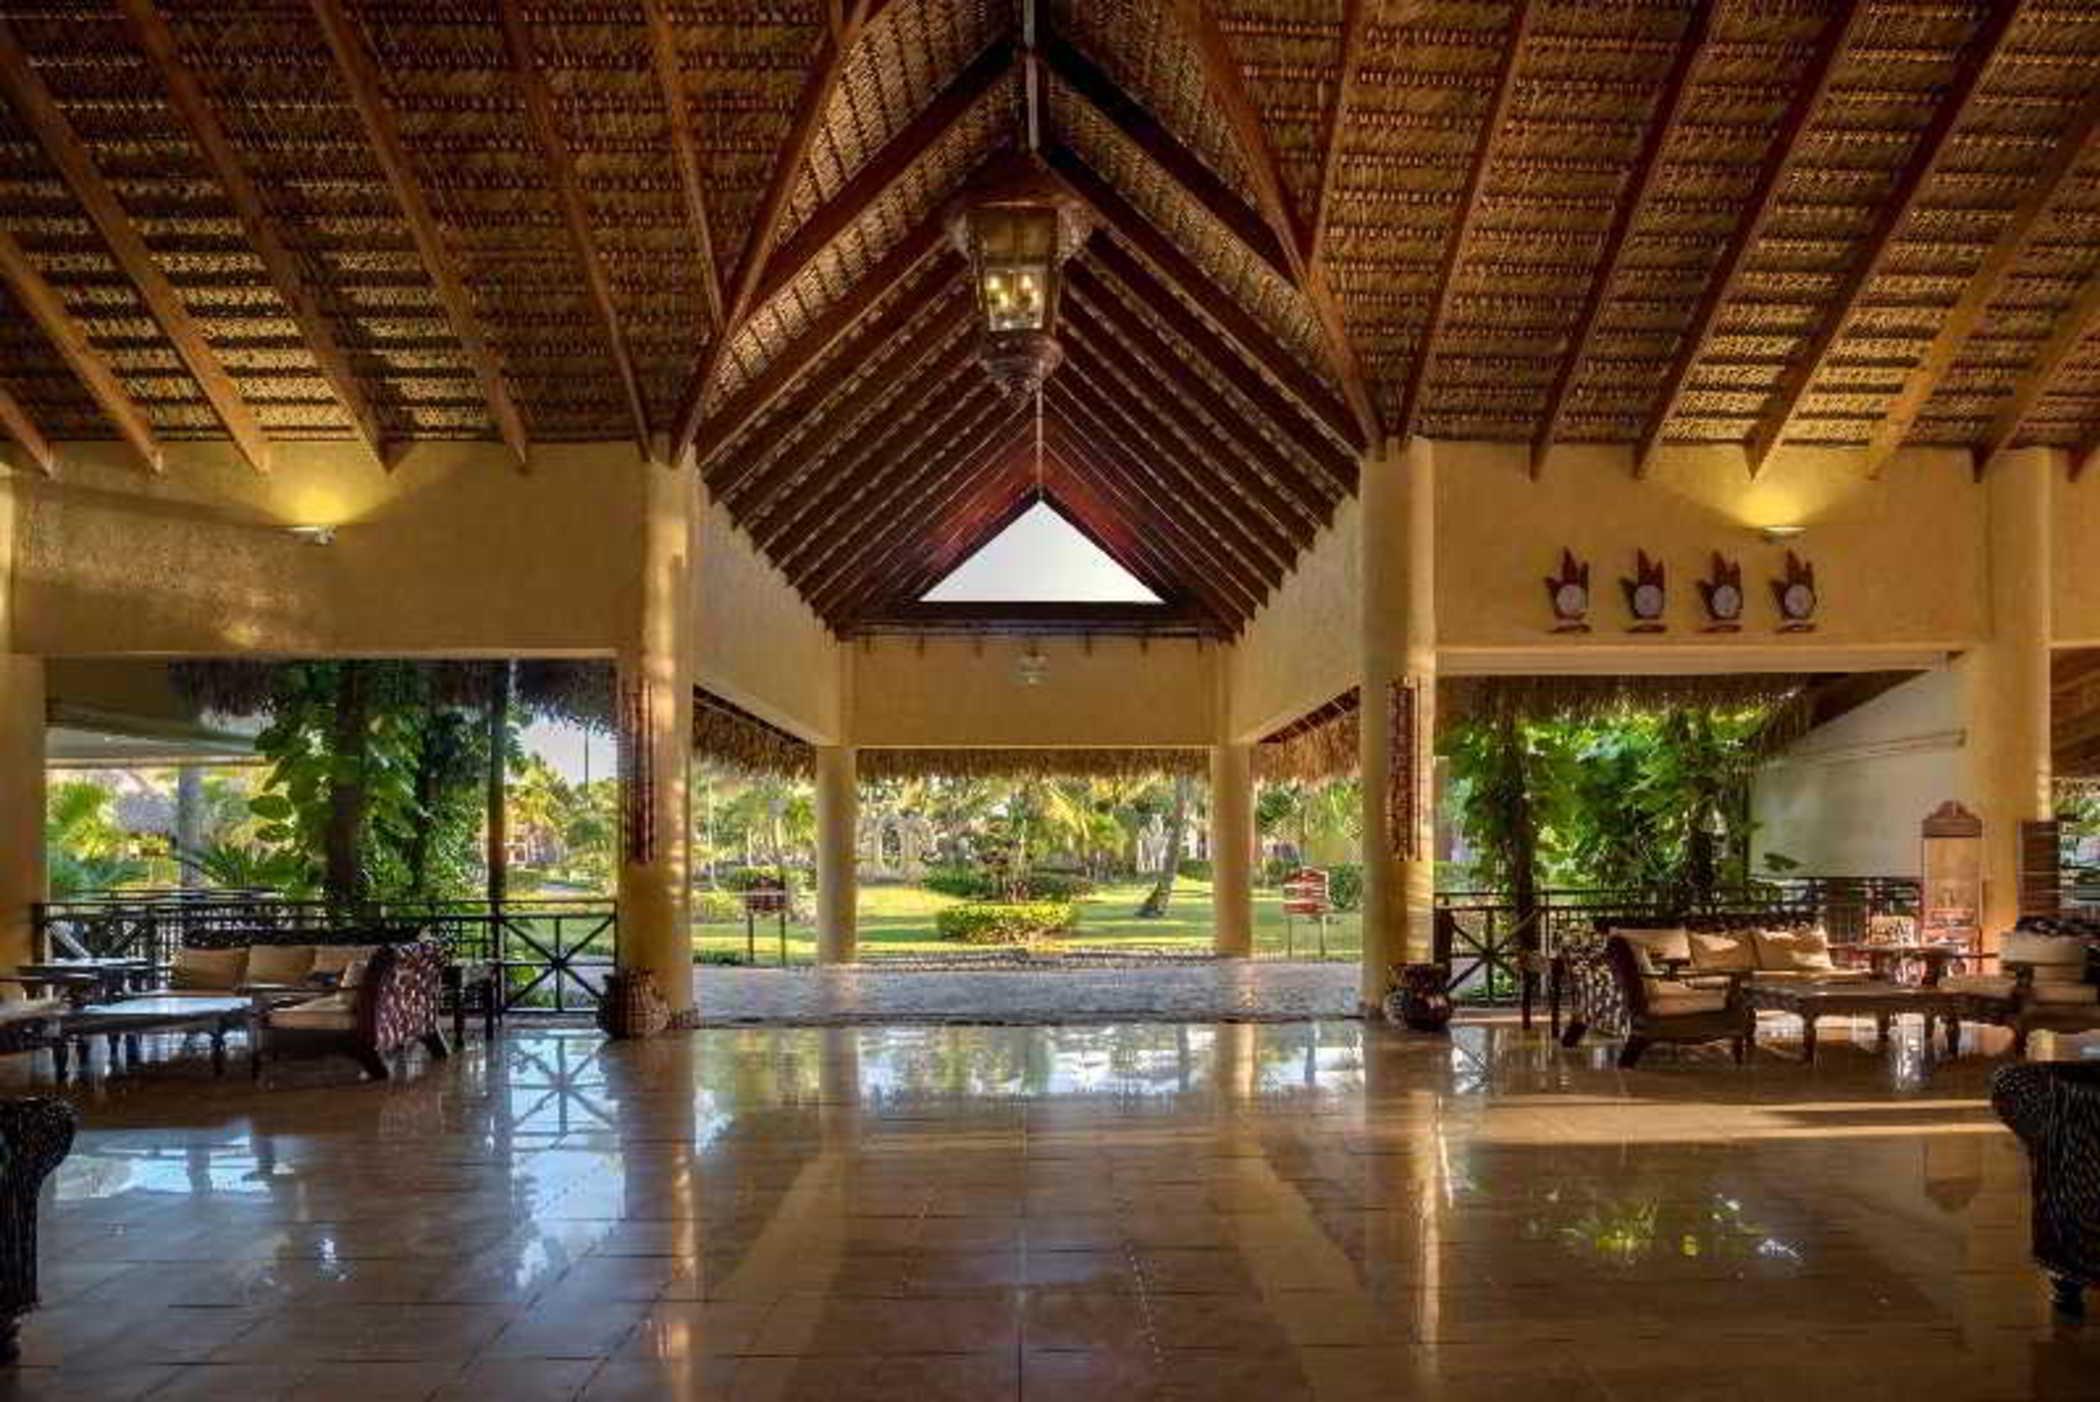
899 920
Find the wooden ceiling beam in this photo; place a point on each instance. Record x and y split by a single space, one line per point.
17 423
1288 413
2077 321
1846 17
1255 341
48 310
667 60
1000 498
54 133
1124 328
1356 30
1984 285
898 155
737 411
1461 223
1663 122
576 215
1094 443
359 72
758 491
1227 85
821 75
1272 514
1892 212
971 465
286 271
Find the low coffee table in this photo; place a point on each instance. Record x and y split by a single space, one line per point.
123 1023
1884 1002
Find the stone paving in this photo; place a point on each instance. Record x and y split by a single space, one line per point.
1209 990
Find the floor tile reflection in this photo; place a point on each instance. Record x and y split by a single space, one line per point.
1302 1210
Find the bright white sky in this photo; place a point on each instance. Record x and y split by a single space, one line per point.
1040 559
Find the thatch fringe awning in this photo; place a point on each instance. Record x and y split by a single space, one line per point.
578 691
1549 697
729 735
1318 746
1031 763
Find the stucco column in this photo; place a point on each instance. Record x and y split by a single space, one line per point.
838 868
2005 681
1398 549
656 737
1232 850
21 802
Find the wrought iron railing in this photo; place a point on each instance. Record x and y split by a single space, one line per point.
549 955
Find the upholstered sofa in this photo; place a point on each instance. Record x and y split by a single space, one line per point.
2055 1109
1713 955
1658 1008
391 1002
36 1134
2046 979
224 971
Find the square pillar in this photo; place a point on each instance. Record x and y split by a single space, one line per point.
21 803
1232 850
1397 715
838 865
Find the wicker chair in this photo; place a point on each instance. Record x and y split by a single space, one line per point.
1657 1009
394 1004
36 1133
2055 1109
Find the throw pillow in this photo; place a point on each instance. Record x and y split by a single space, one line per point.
1799 951
1723 951
279 963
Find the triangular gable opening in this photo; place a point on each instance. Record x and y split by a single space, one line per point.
1041 558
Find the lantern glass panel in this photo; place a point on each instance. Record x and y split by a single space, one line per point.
1016 255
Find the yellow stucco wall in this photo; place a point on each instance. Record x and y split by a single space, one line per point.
2074 557
8 509
757 643
1114 692
1300 651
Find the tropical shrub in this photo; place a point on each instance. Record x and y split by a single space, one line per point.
1004 922
85 849
237 866
718 907
1345 885
1195 869
964 883
1053 886
751 878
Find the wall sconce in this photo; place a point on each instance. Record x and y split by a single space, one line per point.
1779 535
312 535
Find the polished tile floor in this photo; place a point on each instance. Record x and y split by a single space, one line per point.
1218 1211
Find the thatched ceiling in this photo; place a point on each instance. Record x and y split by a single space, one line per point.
716 224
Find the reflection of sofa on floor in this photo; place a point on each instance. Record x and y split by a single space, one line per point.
392 1002
2055 1109
2045 981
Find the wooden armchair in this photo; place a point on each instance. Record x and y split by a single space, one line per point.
393 1003
1658 1009
2054 1106
36 1134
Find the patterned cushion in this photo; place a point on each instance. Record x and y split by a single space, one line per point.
279 963
216 970
1723 951
1806 951
334 1013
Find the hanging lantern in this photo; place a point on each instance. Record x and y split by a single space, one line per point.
1017 225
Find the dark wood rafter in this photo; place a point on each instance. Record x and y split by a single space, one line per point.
667 60
820 81
287 274
2073 325
1119 325
576 217
40 112
359 74
1073 499
16 422
1227 86
913 359
1892 213
736 412
1298 425
1662 125
898 155
48 310
995 503
1984 285
1460 229
1845 17
1212 444
798 527
1254 340
1356 31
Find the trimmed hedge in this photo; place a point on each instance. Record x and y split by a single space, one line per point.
1004 922
968 884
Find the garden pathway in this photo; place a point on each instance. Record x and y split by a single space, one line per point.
1223 990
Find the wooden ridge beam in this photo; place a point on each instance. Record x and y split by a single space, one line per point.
1214 455
54 133
1227 85
1124 328
668 63
1983 286
360 76
48 310
1846 17
1255 341
1663 123
2073 325
758 490
867 464
1461 225
737 412
287 273
20 426
1160 146
1892 211
1298 424
1095 443
576 217
898 155
820 80
1356 30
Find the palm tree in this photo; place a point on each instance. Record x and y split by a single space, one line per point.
84 849
1155 904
